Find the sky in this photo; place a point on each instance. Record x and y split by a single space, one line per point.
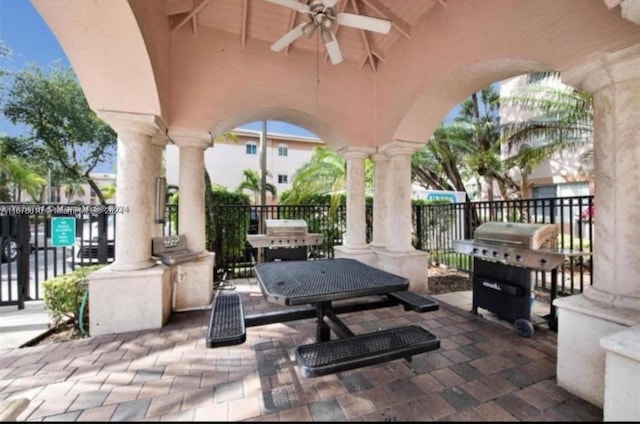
31 42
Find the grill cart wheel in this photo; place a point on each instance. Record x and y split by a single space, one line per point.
524 327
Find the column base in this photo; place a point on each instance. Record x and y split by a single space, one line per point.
622 377
360 253
582 323
148 263
192 283
122 301
412 264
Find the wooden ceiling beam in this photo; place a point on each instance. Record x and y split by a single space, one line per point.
402 26
191 14
365 39
245 11
176 7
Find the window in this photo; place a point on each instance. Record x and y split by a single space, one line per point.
283 179
283 150
252 148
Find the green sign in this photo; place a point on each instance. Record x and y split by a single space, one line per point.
442 196
63 231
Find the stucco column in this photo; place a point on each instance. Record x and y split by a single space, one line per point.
191 219
133 184
381 191
399 154
158 144
614 82
356 236
588 323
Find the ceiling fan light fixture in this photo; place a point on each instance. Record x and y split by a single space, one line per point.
308 29
326 35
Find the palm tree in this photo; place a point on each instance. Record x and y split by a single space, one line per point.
466 148
251 182
16 175
561 119
71 189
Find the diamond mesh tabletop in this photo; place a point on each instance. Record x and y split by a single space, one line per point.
302 282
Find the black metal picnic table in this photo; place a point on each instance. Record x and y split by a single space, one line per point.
323 289
322 282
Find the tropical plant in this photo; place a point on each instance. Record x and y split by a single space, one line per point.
556 118
16 175
63 293
468 147
252 183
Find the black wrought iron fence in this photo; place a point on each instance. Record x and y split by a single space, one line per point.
435 227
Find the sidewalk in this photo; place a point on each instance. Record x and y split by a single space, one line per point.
18 327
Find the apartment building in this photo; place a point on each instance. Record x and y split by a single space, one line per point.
227 160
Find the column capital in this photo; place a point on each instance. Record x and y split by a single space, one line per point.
147 124
190 137
379 157
629 9
399 148
607 69
159 140
355 152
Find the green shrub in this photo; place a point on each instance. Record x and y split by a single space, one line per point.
63 294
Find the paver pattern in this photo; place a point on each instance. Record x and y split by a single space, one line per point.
483 371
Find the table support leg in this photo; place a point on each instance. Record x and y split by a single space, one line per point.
323 332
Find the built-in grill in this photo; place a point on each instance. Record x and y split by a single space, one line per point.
172 250
504 256
285 239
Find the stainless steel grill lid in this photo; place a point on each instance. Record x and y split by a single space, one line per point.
287 227
285 233
528 236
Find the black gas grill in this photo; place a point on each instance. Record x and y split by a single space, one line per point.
505 254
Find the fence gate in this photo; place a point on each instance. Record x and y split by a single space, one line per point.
14 259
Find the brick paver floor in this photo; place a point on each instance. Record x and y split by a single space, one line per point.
483 371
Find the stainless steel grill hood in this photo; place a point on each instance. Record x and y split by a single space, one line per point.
519 244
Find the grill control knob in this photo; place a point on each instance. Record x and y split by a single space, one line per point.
518 258
484 251
495 254
475 250
543 262
506 256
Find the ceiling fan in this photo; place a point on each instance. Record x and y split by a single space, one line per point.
323 16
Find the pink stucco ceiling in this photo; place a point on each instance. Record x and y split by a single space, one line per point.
207 64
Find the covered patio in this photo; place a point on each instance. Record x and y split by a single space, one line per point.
183 72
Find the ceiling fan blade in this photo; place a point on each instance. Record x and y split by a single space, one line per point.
332 46
291 4
288 38
368 23
329 3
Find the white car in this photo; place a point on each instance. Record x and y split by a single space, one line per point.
85 250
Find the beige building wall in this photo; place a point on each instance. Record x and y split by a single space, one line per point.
227 160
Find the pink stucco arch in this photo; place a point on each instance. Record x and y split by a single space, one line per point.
439 97
324 130
104 42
